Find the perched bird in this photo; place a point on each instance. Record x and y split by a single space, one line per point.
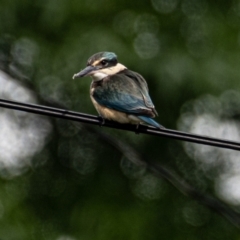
117 93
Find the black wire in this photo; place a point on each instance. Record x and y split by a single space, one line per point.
91 119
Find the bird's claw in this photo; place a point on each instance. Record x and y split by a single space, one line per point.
102 121
137 128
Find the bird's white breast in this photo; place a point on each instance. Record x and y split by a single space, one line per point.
99 75
102 73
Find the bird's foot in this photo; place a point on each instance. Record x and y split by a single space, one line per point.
137 128
102 121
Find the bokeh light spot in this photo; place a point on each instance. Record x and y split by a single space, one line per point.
227 187
130 169
165 6
146 23
124 23
21 134
211 116
25 51
195 214
146 45
148 187
194 8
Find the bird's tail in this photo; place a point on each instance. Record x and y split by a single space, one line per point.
150 121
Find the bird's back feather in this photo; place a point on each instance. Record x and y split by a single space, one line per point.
125 91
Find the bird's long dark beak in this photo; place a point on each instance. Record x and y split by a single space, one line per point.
86 71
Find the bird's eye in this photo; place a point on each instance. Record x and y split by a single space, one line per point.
103 62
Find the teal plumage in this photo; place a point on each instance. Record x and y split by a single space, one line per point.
117 93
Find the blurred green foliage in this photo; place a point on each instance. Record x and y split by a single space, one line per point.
79 187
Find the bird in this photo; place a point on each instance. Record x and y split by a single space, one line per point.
117 93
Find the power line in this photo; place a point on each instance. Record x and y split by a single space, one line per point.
91 119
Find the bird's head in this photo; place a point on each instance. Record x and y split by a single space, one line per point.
98 64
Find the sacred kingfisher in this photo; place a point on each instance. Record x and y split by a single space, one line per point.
117 93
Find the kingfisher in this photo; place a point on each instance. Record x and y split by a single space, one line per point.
118 93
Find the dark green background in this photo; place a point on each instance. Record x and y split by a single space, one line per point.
80 187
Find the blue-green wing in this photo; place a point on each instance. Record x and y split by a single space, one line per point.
125 92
